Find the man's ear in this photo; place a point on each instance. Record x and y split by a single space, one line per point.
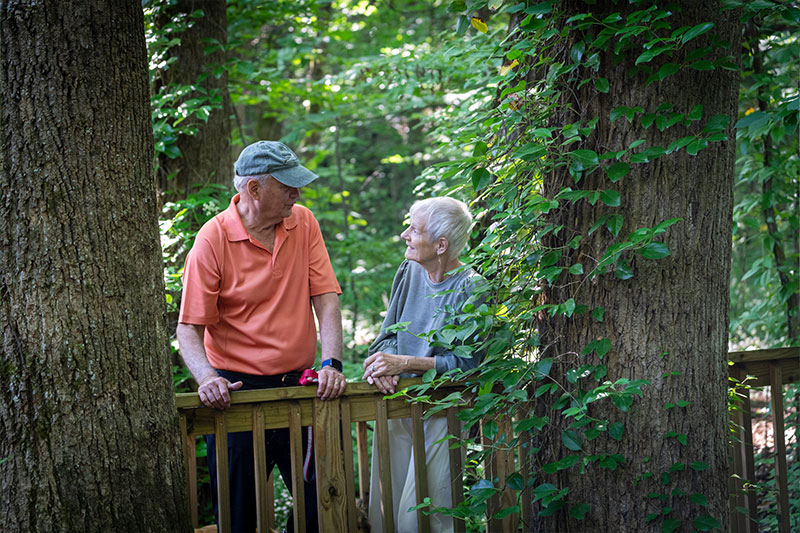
253 188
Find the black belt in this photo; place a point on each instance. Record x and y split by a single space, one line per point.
252 381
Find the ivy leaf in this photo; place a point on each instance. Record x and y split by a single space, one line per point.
480 178
571 440
598 313
601 84
429 375
576 269
699 466
669 525
618 171
578 512
717 123
654 250
587 158
699 499
479 24
610 198
696 31
616 430
706 522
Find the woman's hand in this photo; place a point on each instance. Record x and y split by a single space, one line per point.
385 384
384 364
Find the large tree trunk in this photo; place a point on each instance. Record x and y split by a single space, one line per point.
667 324
205 157
89 426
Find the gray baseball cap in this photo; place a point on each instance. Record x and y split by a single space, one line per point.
275 158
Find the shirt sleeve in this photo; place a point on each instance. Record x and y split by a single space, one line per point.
321 277
201 284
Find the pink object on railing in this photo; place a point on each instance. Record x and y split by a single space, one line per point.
309 377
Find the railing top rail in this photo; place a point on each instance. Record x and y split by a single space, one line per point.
189 400
765 355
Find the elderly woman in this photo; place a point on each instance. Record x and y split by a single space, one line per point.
423 288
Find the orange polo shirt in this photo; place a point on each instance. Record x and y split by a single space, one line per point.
256 303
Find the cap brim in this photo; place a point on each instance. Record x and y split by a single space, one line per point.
297 176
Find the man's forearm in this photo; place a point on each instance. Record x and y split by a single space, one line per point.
193 352
329 316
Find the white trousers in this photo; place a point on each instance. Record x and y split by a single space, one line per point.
404 494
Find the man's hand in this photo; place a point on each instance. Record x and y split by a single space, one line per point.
214 393
331 383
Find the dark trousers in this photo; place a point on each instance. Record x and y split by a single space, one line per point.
241 469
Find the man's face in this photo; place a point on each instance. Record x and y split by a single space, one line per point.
277 199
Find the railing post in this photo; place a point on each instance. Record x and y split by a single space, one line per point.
223 486
190 463
349 472
363 462
296 446
420 465
331 491
500 465
524 449
781 472
456 468
384 463
265 497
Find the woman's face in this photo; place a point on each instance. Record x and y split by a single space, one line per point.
419 247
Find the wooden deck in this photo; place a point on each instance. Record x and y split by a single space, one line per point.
294 407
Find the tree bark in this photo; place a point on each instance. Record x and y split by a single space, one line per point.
667 324
90 432
205 157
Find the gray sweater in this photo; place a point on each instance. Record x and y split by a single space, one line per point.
412 301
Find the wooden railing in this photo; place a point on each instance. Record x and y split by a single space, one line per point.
773 368
295 407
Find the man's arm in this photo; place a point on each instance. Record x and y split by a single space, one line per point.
212 389
326 306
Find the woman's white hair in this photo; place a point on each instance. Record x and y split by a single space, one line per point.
240 182
445 217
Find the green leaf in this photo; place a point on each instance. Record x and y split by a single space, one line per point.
706 522
429 375
603 347
542 368
696 113
700 29
578 512
696 145
598 313
506 511
654 250
618 171
699 499
543 133
699 466
569 307
669 525
610 198
616 430
587 158
601 84
480 178
615 224
576 269
571 440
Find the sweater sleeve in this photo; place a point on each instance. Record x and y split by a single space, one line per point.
387 340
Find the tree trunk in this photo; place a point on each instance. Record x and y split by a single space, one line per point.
89 425
668 324
205 157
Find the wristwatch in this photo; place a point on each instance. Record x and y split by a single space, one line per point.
335 363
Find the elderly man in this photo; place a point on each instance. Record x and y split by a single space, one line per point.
250 282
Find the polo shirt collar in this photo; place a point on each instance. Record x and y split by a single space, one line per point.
234 227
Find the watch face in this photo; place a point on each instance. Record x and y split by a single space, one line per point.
335 363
